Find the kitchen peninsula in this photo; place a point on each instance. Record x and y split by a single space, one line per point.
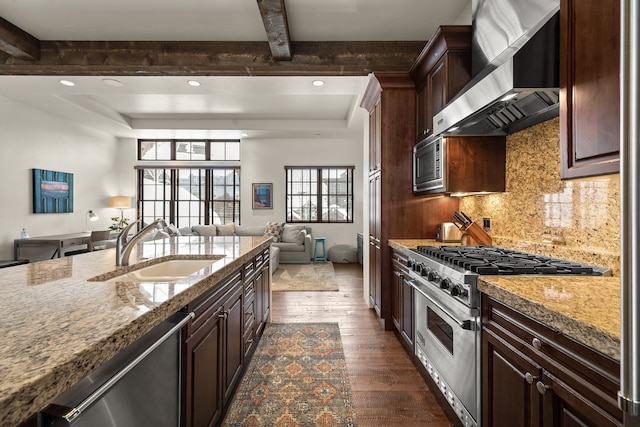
63 317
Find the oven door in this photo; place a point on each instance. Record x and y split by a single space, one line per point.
447 343
428 161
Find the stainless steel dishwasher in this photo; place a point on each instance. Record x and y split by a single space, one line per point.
140 386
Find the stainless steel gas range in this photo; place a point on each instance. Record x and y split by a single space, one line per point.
447 311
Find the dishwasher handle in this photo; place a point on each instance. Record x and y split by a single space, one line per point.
69 414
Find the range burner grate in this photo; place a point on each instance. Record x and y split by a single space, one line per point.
494 260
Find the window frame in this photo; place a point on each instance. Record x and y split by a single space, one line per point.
319 194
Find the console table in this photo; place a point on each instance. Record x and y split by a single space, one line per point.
61 242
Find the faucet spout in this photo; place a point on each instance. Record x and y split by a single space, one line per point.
124 245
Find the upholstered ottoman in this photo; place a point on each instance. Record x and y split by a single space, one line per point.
343 254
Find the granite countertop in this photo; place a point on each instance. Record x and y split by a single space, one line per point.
56 325
585 308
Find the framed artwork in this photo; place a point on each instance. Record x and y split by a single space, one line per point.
262 196
52 191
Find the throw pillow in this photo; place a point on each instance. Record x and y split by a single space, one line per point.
226 229
172 230
293 234
205 230
274 229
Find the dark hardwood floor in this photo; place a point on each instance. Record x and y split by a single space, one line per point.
387 389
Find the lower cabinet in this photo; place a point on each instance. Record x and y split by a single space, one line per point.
534 376
402 298
219 340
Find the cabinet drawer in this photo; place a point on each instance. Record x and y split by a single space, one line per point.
209 303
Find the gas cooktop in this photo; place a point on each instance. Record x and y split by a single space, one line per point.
492 260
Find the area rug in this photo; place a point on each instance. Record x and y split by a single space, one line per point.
296 378
304 277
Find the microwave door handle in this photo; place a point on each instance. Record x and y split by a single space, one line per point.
469 325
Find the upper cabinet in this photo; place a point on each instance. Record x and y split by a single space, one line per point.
589 87
440 72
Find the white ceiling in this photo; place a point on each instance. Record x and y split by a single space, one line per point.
261 107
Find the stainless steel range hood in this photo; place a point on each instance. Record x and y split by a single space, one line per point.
515 58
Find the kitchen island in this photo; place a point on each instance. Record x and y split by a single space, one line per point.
61 318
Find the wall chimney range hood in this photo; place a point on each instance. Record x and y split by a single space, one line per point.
515 57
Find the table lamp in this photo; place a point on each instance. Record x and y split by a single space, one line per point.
122 203
91 216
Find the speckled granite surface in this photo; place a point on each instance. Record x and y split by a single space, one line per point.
584 308
56 326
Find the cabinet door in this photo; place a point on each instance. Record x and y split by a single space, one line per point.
424 119
396 297
375 118
233 349
406 321
510 398
437 82
203 371
565 407
589 87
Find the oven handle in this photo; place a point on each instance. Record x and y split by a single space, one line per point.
469 325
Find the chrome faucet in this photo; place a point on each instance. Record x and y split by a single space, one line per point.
124 246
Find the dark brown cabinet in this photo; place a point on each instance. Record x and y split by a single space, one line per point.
534 376
394 212
441 70
213 351
589 87
229 319
402 299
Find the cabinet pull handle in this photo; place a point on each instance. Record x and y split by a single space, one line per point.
529 378
250 341
542 388
223 315
537 344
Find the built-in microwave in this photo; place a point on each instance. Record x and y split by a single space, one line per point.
428 165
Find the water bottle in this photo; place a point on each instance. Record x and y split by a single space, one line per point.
24 234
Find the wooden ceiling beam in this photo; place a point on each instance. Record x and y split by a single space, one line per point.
134 58
274 18
17 42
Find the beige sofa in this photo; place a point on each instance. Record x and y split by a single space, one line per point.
293 244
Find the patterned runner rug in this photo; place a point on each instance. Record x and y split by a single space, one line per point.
304 277
296 378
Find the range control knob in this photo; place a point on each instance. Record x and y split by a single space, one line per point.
410 263
425 270
464 293
455 291
445 284
433 276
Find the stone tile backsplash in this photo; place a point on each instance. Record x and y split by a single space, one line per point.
577 219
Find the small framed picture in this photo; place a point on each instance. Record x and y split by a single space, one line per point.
262 196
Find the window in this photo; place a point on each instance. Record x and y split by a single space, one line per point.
319 194
192 150
185 195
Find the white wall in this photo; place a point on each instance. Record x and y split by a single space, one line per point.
30 139
465 17
263 161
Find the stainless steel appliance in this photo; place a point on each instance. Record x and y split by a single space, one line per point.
447 311
629 394
140 386
448 232
515 70
429 160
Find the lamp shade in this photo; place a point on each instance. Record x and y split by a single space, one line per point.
120 202
92 216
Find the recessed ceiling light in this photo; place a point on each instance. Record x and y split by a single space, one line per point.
318 83
67 83
112 82
244 135
194 83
